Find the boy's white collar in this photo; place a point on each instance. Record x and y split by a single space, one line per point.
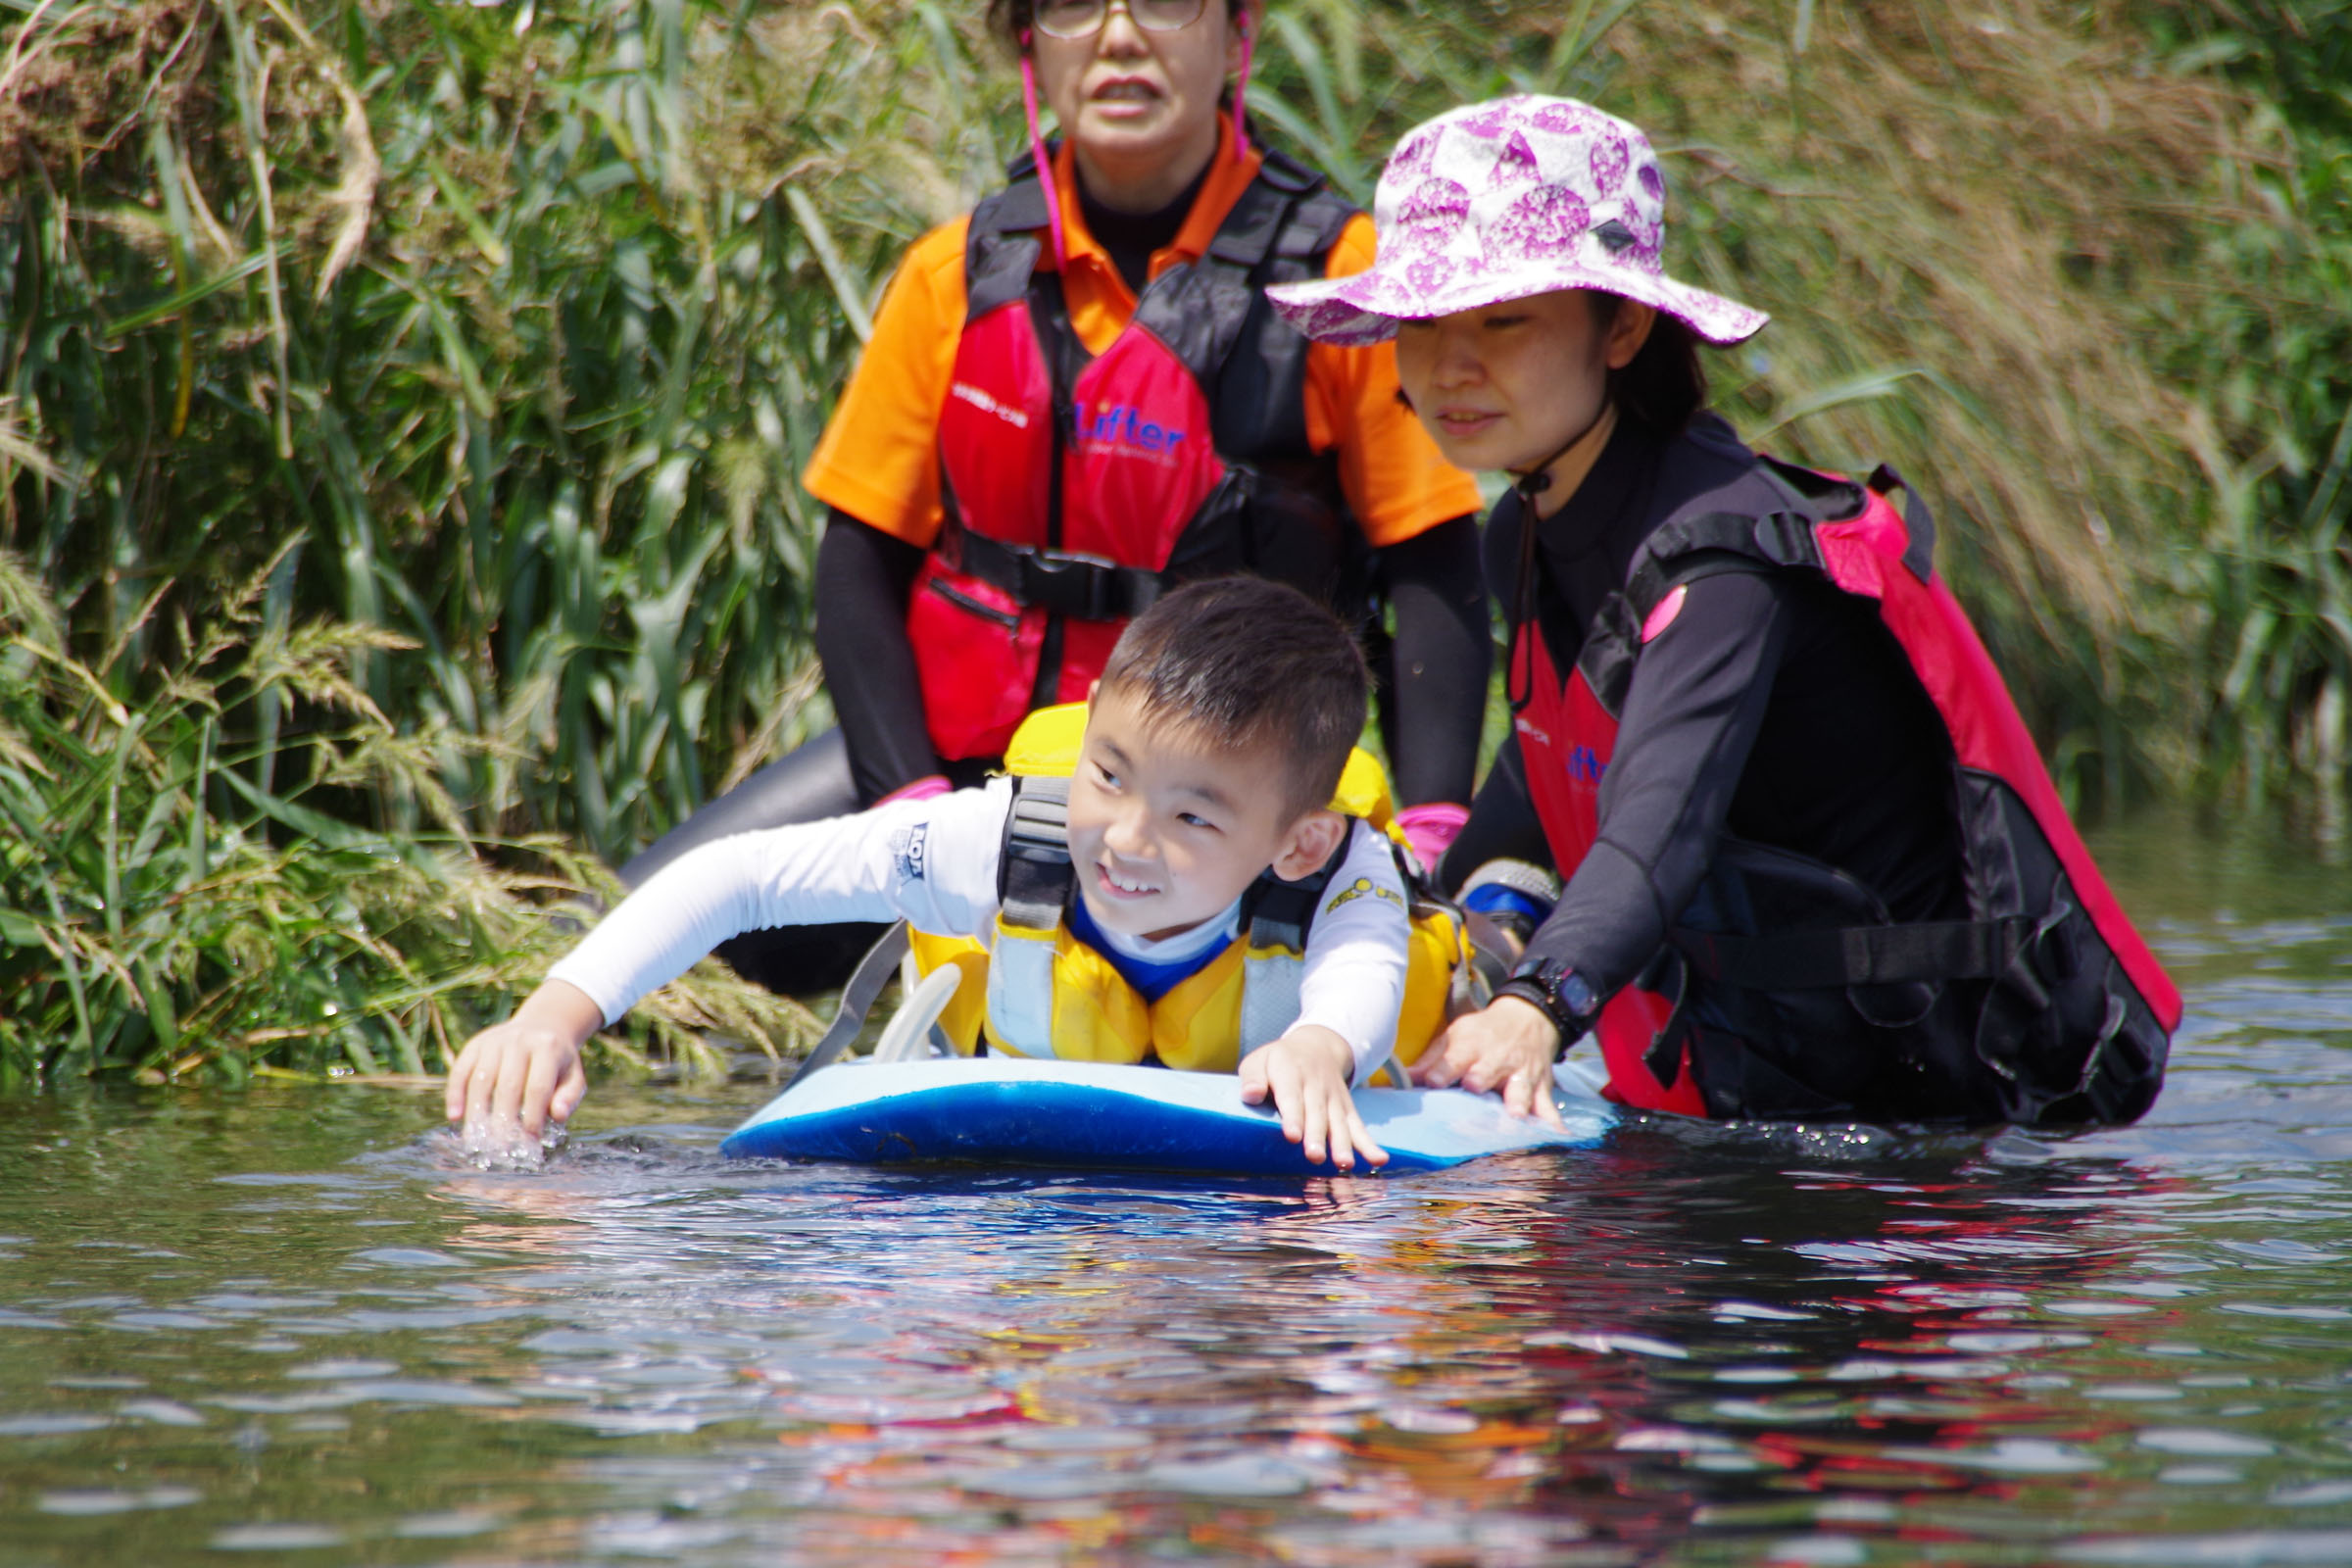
1187 944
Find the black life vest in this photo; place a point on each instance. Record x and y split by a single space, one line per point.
1786 991
1076 488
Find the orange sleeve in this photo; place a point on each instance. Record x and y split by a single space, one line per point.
1393 478
878 460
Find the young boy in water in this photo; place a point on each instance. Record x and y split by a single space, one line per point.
1213 743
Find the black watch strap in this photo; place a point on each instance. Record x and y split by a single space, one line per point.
1563 996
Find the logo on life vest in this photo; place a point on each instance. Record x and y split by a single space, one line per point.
1532 732
1585 766
1119 426
1357 889
988 405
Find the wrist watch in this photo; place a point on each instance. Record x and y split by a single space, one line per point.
1565 997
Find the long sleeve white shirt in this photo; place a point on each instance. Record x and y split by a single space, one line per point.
933 862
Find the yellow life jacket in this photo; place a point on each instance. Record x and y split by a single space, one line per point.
1041 992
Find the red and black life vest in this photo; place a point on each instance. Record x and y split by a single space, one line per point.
1785 989
1076 488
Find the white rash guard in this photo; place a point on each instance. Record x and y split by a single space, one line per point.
933 862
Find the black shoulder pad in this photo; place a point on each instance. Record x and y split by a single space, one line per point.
1828 499
1001 248
1286 174
1034 874
1314 226
1016 210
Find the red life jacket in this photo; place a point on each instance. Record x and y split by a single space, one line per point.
2045 1005
1076 489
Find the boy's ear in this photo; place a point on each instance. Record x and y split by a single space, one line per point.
1092 687
1312 840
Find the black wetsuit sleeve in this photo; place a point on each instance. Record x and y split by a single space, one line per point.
1440 654
1697 702
1502 824
862 578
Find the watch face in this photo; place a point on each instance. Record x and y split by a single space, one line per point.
1575 994
1572 990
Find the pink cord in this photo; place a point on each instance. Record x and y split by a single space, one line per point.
1037 154
1241 91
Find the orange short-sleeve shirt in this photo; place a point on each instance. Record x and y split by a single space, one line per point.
879 458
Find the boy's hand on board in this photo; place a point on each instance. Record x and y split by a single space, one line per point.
1507 1048
524 1073
1306 1071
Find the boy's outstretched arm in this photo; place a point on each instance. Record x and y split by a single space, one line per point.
1306 1071
526 1071
932 861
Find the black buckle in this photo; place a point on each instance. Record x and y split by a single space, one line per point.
1079 587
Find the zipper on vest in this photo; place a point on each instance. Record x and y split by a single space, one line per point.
965 602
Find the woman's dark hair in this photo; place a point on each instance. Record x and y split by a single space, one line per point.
1009 18
1665 384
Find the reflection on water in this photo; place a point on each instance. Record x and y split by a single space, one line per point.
293 1325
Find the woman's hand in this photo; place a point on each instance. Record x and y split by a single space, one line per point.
526 1071
1507 1048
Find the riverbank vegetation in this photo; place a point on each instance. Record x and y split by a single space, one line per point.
174 905
400 407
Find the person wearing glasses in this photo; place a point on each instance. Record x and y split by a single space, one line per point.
1078 396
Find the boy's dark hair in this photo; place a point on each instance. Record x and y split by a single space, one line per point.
1250 663
1665 384
1009 18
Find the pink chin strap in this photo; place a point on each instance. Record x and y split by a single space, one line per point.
1037 155
1241 92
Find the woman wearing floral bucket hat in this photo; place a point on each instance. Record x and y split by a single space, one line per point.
985 544
1814 868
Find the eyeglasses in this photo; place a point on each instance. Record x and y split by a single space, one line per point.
1080 19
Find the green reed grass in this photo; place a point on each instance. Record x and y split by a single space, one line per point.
518 336
497 336
164 914
2269 568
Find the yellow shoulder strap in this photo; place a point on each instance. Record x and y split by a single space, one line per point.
1045 746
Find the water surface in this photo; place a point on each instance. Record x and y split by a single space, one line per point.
291 1325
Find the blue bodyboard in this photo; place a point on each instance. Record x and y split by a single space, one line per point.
999 1110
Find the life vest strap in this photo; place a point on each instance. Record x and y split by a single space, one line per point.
1929 951
1919 525
1080 586
1035 874
872 973
1276 914
1735 539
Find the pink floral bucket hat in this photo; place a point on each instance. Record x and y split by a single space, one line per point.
1503 199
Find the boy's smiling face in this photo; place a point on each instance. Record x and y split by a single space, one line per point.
1167 827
